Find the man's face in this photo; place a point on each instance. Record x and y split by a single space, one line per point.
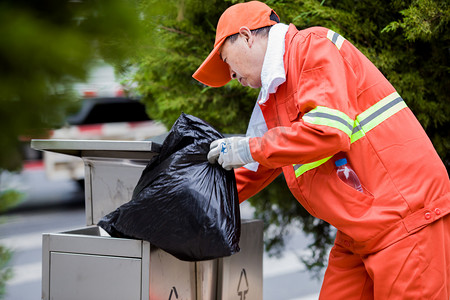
245 57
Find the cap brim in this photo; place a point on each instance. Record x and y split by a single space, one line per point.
213 71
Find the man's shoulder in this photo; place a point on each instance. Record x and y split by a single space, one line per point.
301 35
317 30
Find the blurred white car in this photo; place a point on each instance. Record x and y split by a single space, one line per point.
100 118
105 114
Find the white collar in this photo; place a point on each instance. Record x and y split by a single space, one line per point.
273 73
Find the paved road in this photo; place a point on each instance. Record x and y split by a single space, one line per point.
22 233
284 279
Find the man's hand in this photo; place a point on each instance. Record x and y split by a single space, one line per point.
233 152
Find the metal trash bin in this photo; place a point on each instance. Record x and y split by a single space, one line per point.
87 263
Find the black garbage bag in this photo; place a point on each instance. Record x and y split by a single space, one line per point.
182 203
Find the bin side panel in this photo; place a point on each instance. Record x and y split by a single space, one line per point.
112 184
206 280
76 276
145 271
45 266
171 278
240 275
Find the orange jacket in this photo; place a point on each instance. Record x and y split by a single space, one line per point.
336 102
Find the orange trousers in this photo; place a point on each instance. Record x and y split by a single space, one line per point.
417 267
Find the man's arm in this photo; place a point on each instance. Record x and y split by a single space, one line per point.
249 183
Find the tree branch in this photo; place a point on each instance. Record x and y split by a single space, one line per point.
175 30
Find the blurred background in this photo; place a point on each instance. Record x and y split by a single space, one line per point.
116 69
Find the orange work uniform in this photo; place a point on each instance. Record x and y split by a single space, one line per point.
393 240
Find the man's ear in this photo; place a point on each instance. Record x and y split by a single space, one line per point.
247 35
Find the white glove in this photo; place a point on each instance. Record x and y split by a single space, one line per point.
233 152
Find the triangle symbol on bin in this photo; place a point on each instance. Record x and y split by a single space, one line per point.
242 289
173 291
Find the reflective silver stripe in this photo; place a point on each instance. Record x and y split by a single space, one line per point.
356 129
335 38
331 117
380 111
365 121
376 114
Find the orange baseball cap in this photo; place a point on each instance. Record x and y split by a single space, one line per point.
254 14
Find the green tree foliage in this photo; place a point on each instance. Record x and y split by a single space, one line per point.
408 40
181 34
45 47
8 198
6 272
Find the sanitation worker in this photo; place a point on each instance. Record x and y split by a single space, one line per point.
321 100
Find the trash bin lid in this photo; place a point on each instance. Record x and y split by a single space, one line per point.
99 148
